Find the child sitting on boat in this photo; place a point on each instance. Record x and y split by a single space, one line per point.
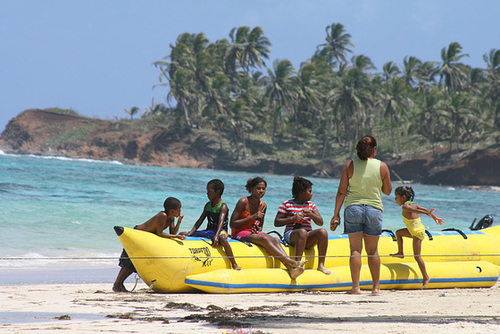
296 215
247 221
156 224
216 211
414 227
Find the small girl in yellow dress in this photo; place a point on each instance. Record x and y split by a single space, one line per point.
414 227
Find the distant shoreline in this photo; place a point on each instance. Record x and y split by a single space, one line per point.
46 133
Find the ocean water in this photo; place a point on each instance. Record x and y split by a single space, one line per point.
60 213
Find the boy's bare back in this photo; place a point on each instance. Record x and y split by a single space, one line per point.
156 224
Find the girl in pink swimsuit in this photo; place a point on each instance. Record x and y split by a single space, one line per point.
247 221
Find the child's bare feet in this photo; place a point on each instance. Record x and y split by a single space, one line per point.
299 264
236 267
324 270
400 255
119 288
295 272
425 281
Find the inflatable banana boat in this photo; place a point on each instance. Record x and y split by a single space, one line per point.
453 258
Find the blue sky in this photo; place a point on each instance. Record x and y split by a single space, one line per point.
95 56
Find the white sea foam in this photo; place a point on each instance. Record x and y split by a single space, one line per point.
37 260
62 158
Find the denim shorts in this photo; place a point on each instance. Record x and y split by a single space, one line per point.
286 236
363 218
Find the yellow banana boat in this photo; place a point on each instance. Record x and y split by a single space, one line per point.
463 274
453 258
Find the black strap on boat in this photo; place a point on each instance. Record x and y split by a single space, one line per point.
456 230
249 244
391 234
279 237
429 235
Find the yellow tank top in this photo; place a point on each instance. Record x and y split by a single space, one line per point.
365 186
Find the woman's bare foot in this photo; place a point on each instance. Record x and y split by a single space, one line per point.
425 281
376 291
400 255
324 270
354 291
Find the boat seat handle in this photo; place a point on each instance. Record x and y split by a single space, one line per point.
456 230
391 234
280 237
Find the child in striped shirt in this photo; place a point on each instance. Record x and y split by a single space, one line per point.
296 215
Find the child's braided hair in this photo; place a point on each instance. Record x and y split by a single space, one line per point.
406 191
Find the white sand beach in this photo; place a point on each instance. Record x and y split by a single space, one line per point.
90 308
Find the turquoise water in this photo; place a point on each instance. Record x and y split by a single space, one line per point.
55 209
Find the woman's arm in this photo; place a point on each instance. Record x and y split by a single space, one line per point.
260 214
386 178
341 193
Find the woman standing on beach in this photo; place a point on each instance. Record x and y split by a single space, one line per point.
361 184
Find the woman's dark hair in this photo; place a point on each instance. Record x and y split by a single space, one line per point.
406 192
365 147
217 184
171 203
300 185
253 182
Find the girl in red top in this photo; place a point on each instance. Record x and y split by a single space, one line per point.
247 221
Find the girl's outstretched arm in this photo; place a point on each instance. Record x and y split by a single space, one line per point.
414 208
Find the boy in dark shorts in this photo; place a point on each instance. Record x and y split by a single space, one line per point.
156 224
216 211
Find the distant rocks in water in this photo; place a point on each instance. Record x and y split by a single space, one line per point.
47 132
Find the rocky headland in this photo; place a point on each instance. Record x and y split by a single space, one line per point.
45 132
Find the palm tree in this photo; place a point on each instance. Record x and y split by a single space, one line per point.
308 97
337 44
425 75
457 110
426 122
410 68
492 86
248 49
352 98
390 70
132 111
396 102
451 72
280 90
215 103
191 63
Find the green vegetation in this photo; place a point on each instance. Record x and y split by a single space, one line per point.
63 111
72 136
319 110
